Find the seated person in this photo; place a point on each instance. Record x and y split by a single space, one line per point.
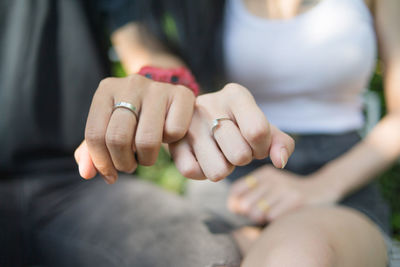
306 64
52 61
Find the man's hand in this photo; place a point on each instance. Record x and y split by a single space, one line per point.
112 137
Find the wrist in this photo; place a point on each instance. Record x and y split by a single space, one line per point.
328 184
179 75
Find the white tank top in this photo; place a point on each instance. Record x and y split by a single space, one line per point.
307 73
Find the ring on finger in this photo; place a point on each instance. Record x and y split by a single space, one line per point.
263 206
127 106
251 181
215 124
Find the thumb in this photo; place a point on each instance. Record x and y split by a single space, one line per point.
84 161
282 147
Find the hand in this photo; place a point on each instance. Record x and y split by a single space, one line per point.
235 142
269 193
112 137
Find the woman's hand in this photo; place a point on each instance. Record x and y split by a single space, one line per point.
268 193
112 137
212 152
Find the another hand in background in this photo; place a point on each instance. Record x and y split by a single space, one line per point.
245 134
268 193
112 137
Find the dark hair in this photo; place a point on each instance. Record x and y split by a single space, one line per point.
191 29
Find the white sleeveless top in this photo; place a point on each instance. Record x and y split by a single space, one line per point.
307 73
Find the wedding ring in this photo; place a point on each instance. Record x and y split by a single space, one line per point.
215 124
263 205
127 106
251 181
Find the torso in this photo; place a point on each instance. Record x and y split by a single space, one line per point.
306 71
284 9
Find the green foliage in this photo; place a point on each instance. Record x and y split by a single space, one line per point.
163 173
170 28
390 184
117 70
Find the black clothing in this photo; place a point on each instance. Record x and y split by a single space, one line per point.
52 57
313 152
51 61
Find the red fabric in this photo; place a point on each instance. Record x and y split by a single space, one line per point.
179 75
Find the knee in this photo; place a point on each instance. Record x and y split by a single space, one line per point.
318 254
306 249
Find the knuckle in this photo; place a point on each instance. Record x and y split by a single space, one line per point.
105 169
234 89
117 139
218 174
262 154
128 167
134 78
149 161
158 90
257 133
106 82
157 87
147 144
173 134
188 170
205 100
201 101
241 157
94 137
185 92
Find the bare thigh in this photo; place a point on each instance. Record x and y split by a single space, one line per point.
319 236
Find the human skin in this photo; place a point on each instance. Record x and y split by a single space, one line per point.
355 168
112 138
299 208
309 207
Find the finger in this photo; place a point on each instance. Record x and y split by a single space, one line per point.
249 200
244 185
252 123
232 144
282 146
119 139
185 160
241 204
85 164
280 208
210 158
179 115
250 181
149 131
96 126
262 208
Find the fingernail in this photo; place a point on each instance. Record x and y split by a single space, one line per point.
80 168
109 179
284 157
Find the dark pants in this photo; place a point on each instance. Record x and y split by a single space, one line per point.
66 221
311 153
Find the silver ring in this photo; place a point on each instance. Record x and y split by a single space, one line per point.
127 106
215 124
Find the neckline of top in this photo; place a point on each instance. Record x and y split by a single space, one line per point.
241 7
